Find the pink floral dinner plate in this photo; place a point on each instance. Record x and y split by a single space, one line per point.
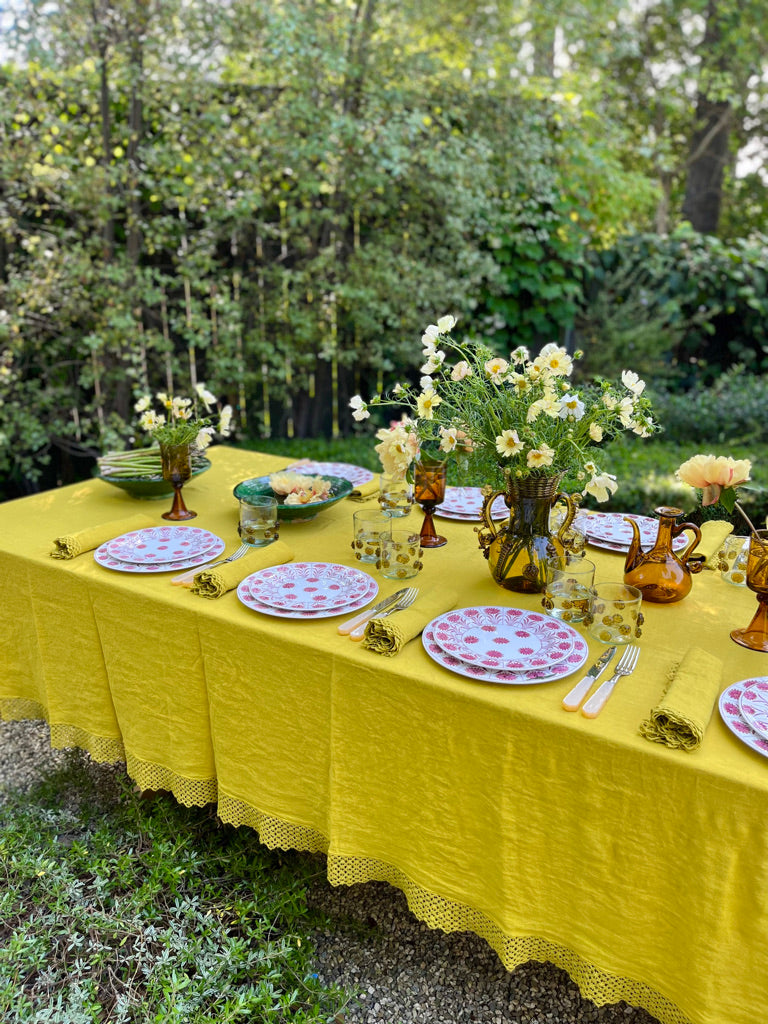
310 586
509 639
753 704
467 503
247 598
356 475
103 557
611 531
157 544
572 663
731 715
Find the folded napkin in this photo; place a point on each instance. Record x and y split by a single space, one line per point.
364 491
70 545
217 581
713 533
682 715
389 635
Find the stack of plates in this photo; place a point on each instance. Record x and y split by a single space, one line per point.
466 503
744 709
160 549
609 530
504 645
356 475
307 590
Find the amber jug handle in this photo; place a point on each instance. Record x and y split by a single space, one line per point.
695 566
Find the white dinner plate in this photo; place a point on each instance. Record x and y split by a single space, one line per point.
157 544
247 598
488 675
501 638
753 704
356 475
103 557
467 503
731 715
310 586
609 530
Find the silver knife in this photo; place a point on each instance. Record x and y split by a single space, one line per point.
350 624
572 701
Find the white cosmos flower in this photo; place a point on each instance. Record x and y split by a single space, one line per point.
571 407
359 408
601 486
446 324
631 381
508 443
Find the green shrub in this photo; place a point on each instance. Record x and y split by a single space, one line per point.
734 406
145 912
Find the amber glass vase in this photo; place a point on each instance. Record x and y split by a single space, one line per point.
177 468
429 491
755 635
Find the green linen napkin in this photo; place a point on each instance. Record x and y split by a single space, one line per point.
70 545
682 715
222 578
365 491
389 635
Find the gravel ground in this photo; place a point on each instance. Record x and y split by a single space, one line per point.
405 972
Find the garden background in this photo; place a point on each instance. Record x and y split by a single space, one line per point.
276 197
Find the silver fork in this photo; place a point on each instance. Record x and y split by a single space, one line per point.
188 577
405 601
624 667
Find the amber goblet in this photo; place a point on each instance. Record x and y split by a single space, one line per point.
755 635
177 468
428 492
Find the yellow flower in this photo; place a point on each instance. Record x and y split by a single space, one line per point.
540 457
496 368
508 443
426 404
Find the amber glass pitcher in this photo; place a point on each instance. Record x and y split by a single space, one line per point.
662 574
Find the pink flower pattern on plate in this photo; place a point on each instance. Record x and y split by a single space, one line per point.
729 706
310 586
508 639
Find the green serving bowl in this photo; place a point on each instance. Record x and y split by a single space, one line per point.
152 486
259 485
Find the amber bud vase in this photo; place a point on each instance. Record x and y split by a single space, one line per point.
755 635
177 468
429 491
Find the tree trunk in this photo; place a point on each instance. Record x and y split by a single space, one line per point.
709 151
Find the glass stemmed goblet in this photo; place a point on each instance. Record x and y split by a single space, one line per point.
177 468
755 635
428 492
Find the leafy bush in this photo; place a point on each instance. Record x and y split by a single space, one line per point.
140 911
733 407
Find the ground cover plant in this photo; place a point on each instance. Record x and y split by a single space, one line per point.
120 909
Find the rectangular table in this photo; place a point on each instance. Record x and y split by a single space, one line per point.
641 871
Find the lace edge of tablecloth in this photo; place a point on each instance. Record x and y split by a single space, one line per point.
158 777
439 912
103 749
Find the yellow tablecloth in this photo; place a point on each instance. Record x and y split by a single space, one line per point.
642 871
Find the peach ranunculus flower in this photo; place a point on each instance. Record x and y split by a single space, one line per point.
713 474
300 489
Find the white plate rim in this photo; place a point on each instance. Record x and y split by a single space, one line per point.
356 475
287 567
733 718
107 561
209 540
744 713
243 588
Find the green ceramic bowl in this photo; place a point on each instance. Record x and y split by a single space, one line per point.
151 486
259 485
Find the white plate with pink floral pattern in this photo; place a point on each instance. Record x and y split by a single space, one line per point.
103 557
309 586
610 530
731 715
355 474
467 503
509 639
753 704
157 544
572 663
248 599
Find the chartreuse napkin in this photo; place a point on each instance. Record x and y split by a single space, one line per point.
217 581
389 635
682 715
713 533
70 545
364 491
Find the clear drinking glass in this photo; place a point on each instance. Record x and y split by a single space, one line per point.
614 615
369 524
568 589
395 495
400 554
732 560
258 521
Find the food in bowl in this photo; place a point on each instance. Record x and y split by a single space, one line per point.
300 504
